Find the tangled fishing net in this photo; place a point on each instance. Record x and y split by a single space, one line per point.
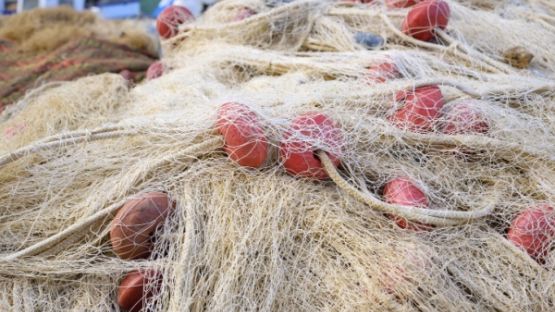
341 237
59 44
44 30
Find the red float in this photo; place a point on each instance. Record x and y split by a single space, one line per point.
245 141
244 13
155 70
402 191
14 130
169 20
424 17
309 133
136 288
357 1
383 72
135 223
463 118
421 108
534 230
401 3
127 75
411 263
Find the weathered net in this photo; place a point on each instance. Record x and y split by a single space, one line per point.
43 30
261 239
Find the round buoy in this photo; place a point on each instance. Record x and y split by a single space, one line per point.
155 70
424 17
534 230
401 3
127 75
400 272
245 141
244 13
369 40
420 110
382 72
169 20
402 191
309 133
136 287
135 223
463 117
358 1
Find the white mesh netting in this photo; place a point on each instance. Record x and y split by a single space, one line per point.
434 150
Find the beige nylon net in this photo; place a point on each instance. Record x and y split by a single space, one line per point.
44 30
244 239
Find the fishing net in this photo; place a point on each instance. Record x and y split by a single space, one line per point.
59 44
264 239
44 30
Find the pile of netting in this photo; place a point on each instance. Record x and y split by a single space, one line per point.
44 30
301 156
59 44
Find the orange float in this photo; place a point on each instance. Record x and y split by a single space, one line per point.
136 287
421 108
402 191
426 16
534 230
135 223
309 133
245 141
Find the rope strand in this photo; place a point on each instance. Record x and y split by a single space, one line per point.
429 216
